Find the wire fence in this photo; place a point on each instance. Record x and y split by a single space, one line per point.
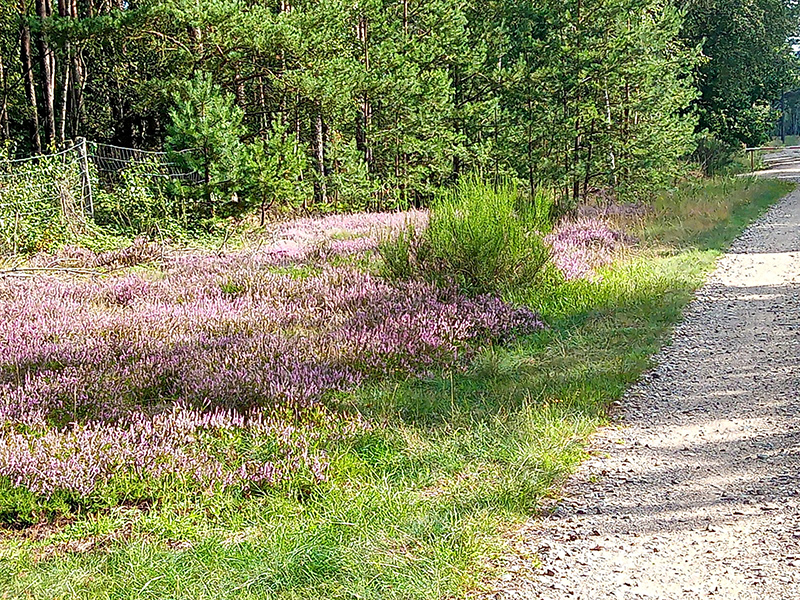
42 198
110 161
52 197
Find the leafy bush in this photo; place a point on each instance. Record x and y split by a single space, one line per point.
479 238
139 203
41 202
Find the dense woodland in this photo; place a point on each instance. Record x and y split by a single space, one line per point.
363 103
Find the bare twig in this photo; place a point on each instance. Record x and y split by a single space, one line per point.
25 271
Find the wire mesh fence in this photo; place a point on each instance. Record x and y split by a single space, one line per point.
42 199
110 161
51 198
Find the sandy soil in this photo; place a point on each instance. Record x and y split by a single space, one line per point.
695 492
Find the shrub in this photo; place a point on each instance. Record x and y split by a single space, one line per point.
140 203
40 202
713 155
273 171
204 137
582 245
480 239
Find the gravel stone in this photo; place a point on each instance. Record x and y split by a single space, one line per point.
694 491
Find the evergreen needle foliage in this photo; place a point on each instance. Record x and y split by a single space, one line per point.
383 103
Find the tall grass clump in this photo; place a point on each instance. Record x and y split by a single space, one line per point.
480 239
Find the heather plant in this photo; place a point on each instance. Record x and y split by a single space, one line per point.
213 372
414 484
581 246
480 239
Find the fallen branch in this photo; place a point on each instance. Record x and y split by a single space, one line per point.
27 271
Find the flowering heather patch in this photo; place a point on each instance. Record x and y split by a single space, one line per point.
579 247
213 370
177 444
338 235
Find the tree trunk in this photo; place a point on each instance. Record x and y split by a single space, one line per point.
4 131
196 36
47 59
577 93
30 84
78 80
457 101
63 88
589 158
264 124
364 121
531 177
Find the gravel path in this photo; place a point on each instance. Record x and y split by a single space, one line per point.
695 493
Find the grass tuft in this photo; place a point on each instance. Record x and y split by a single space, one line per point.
481 239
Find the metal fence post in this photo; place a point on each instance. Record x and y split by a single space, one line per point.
86 176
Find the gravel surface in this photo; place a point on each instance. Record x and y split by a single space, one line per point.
695 491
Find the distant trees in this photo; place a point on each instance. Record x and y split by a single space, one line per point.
381 102
748 64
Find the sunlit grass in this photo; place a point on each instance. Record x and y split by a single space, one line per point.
415 505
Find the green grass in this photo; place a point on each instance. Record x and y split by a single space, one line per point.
791 140
416 507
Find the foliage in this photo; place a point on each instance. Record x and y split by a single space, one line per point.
204 136
41 203
139 202
592 94
479 239
384 103
273 173
712 155
749 63
351 187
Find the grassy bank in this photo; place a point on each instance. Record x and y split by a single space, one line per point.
413 504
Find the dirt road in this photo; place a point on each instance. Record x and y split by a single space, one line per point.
696 492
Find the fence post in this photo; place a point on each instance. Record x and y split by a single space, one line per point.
86 176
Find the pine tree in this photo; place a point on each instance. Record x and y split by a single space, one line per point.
204 136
